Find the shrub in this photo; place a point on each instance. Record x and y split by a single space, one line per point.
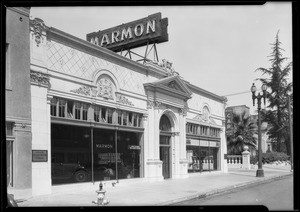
270 157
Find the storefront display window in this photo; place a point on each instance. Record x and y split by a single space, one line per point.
201 158
70 154
74 159
105 155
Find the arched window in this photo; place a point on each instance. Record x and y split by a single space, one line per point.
165 124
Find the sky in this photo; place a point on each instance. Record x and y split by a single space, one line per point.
216 48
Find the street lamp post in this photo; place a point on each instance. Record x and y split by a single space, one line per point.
260 171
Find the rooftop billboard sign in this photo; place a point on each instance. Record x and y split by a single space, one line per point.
152 29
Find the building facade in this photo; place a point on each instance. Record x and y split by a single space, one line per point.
97 115
17 100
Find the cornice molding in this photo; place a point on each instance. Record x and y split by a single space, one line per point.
205 92
40 79
21 10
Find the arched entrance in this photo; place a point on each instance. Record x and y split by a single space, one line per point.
165 128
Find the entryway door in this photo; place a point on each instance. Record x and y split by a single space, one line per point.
164 152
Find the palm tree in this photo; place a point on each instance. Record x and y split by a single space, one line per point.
243 134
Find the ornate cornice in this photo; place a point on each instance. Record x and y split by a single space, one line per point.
183 111
150 104
156 104
38 27
40 79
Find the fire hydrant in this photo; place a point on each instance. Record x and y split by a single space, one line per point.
101 200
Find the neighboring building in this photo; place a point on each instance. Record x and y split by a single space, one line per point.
17 100
97 115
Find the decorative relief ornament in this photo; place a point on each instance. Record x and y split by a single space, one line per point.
157 104
105 88
40 78
38 27
183 111
84 90
150 104
123 100
172 85
204 119
168 67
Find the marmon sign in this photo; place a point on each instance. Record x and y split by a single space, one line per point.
151 29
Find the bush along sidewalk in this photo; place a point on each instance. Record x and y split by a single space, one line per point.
271 157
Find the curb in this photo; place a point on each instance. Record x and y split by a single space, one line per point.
225 189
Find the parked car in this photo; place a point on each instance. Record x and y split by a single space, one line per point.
72 171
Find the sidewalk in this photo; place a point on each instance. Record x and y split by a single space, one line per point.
161 193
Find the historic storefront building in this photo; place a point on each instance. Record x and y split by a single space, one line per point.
99 116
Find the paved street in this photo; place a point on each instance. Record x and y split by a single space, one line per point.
276 195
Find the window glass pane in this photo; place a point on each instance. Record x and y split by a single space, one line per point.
77 110
9 162
129 150
96 113
70 109
164 140
125 114
139 121
62 105
109 116
53 107
103 114
193 157
130 121
105 155
119 117
164 123
84 111
70 154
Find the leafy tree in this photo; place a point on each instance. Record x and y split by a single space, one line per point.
243 134
277 115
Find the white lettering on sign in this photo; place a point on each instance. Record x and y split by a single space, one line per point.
114 36
150 26
138 32
125 34
105 39
107 146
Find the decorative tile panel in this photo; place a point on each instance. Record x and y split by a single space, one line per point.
70 61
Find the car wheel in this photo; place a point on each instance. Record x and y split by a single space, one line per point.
80 176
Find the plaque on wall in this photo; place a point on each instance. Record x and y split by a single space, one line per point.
39 155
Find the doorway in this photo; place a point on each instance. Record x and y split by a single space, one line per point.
164 155
165 128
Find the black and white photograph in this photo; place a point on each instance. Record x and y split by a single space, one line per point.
149 105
